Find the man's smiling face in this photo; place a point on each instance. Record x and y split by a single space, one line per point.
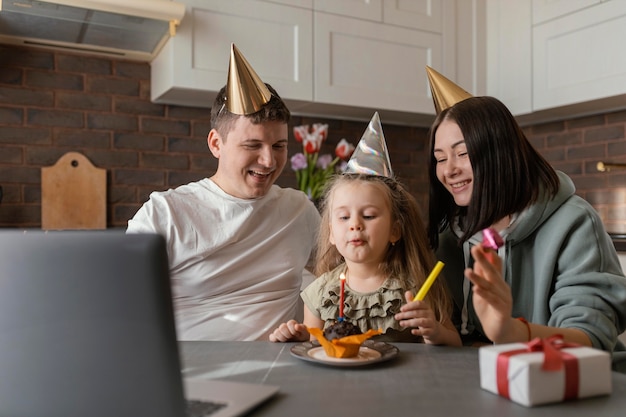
251 157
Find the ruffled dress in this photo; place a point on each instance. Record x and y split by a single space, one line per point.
372 310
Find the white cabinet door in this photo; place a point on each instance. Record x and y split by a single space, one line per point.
544 10
359 9
415 14
576 58
296 3
275 39
366 64
509 53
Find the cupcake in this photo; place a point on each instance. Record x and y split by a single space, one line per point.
342 339
339 329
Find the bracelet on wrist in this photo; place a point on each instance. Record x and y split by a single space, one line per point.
523 320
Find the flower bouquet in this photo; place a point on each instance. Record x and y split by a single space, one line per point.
312 169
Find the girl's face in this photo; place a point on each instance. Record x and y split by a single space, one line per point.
454 169
360 222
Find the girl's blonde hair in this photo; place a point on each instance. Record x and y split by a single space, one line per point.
410 258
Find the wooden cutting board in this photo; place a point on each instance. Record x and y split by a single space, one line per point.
73 194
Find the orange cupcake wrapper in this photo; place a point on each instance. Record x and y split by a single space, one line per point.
345 347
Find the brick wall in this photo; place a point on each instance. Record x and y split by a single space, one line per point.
56 102
575 146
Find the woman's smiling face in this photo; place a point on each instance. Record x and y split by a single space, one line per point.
454 169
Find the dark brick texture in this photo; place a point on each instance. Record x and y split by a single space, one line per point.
56 102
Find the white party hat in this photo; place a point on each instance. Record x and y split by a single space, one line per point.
371 155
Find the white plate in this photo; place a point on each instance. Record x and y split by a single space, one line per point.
370 352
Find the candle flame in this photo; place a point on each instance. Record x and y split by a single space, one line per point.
342 276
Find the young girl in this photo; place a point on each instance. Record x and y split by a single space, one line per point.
371 231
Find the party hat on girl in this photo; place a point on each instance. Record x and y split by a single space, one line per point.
245 92
371 155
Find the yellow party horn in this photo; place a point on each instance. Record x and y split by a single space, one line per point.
429 281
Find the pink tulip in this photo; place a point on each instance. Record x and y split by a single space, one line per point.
300 132
320 130
313 170
312 138
344 149
310 146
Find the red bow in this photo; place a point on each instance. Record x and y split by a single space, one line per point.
554 360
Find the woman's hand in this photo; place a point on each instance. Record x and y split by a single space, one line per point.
419 316
494 304
491 295
292 331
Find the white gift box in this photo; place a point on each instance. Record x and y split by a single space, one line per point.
589 374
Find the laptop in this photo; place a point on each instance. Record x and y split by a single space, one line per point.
87 329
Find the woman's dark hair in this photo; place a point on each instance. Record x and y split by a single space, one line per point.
509 174
222 120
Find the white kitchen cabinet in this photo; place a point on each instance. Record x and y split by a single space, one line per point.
358 9
377 62
276 39
321 62
367 64
424 15
577 57
296 3
544 10
549 59
427 15
465 22
509 53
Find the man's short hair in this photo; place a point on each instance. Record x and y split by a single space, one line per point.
222 120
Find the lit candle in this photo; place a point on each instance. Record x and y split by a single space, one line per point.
429 281
342 278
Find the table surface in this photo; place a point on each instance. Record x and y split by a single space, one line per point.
422 380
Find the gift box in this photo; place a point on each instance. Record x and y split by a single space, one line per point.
544 371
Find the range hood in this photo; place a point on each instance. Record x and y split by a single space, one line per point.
133 29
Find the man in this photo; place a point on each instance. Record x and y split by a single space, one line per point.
237 243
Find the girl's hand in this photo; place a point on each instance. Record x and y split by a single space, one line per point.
491 295
420 316
292 331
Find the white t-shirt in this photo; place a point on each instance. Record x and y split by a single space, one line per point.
236 264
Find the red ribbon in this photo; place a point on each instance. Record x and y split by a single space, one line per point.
554 360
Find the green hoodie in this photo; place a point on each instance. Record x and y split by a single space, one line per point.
561 265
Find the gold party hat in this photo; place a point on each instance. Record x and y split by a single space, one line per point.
371 155
445 92
245 92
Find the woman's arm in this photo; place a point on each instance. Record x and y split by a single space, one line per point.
493 304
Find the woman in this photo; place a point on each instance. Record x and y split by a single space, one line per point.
557 271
